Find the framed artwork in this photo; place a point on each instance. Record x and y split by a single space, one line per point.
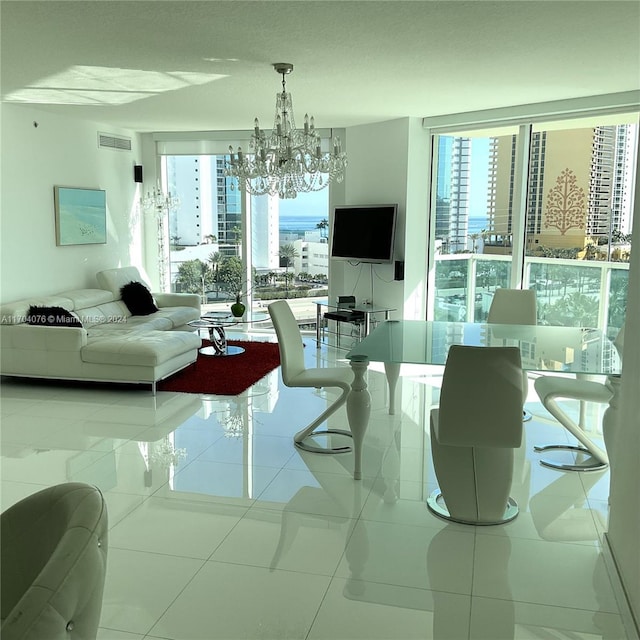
81 216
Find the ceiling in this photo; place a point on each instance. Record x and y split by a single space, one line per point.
180 66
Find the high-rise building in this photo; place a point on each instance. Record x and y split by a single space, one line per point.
265 244
578 191
228 210
500 190
195 217
452 192
624 176
210 210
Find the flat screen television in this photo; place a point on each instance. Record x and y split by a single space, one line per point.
364 232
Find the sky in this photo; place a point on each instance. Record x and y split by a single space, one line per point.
315 204
478 179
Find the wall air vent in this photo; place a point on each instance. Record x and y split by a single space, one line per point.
110 141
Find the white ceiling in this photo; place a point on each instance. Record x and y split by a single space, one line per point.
178 66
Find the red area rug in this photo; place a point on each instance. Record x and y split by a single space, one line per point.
225 375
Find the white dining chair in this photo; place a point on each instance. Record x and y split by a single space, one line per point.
295 374
550 390
474 432
515 306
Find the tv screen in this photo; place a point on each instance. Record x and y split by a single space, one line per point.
364 233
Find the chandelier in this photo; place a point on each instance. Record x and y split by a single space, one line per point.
159 204
288 161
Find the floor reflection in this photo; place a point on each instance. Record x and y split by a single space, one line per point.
221 528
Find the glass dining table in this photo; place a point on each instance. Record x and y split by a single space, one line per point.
575 350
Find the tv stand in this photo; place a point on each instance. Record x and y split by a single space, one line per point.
366 311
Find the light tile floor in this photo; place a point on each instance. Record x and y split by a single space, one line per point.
221 529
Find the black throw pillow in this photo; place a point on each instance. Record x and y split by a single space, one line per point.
138 299
52 317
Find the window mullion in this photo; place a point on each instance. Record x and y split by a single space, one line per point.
247 248
520 179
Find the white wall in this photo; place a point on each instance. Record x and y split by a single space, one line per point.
60 151
387 164
624 522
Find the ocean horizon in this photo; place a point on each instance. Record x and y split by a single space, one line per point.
308 223
300 223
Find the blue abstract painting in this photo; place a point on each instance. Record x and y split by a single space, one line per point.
81 216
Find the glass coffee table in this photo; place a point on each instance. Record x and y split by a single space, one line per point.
215 322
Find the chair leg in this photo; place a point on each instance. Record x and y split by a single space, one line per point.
526 415
599 458
309 431
476 483
436 504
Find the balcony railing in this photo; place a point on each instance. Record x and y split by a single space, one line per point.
569 292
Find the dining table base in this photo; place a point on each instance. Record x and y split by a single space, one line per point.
358 410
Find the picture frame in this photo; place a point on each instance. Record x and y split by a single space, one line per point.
81 216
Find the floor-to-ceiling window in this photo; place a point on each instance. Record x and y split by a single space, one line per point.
224 242
205 229
473 235
544 205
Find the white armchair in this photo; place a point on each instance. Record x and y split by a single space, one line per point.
54 556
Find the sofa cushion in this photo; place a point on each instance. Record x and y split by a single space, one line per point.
109 312
138 299
17 312
138 324
52 317
114 279
146 349
83 298
178 316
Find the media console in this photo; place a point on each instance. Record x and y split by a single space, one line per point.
367 312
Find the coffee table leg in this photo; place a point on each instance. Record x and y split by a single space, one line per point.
218 339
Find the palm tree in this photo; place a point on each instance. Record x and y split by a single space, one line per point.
215 259
474 237
287 253
194 276
323 225
204 272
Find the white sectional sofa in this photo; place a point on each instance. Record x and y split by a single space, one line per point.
112 345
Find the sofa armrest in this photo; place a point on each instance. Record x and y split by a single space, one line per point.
36 338
177 300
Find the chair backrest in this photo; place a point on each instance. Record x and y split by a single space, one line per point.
481 397
513 306
54 557
289 340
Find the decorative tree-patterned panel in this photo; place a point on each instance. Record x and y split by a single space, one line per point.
566 206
